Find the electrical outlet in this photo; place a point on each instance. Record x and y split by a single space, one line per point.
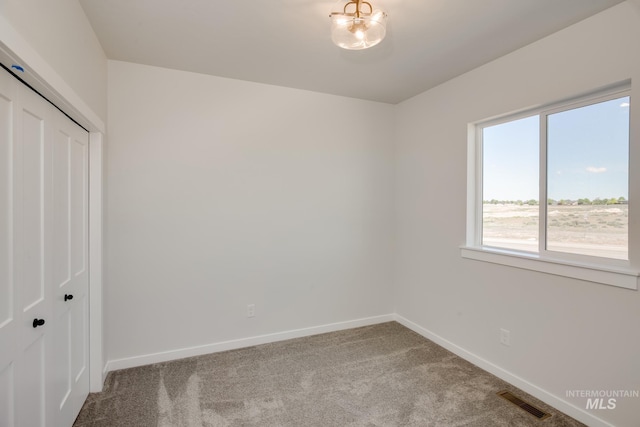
505 337
251 310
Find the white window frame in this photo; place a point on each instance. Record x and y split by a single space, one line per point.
607 271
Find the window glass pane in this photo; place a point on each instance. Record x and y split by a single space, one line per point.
510 185
588 180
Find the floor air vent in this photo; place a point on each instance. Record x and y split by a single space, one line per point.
536 412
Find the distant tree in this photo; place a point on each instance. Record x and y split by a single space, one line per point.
532 202
598 201
584 201
551 202
621 199
612 201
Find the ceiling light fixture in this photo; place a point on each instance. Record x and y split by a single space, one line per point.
357 25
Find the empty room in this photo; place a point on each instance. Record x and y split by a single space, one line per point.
319 213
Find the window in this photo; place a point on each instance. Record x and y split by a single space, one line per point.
510 184
552 185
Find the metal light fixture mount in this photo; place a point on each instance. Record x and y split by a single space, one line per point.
357 25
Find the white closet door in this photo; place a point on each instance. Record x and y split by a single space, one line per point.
32 257
43 257
9 327
70 272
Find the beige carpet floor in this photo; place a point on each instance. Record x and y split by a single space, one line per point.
381 375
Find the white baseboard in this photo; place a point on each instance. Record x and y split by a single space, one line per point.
532 389
165 356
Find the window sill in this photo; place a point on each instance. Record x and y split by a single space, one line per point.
608 275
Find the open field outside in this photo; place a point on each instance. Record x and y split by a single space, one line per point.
596 230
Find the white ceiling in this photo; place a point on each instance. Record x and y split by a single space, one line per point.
287 42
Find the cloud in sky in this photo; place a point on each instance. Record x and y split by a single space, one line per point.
594 169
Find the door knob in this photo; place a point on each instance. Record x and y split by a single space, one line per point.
38 322
67 297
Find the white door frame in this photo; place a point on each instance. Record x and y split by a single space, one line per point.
97 153
14 49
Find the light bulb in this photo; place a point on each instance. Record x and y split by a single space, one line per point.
377 15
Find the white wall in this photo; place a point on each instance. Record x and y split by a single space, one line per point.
566 334
224 193
61 34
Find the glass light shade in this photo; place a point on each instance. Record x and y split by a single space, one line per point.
361 30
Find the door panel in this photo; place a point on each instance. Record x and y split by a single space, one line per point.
79 354
31 392
9 320
33 286
32 260
70 171
6 207
61 375
8 323
79 192
61 243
